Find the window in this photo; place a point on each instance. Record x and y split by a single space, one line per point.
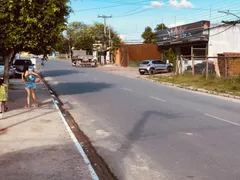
155 62
161 62
23 62
145 62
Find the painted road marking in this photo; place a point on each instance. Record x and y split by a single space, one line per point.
157 99
224 120
75 141
126 89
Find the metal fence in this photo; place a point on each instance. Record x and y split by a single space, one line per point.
206 59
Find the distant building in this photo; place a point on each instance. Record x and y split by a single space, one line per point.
200 39
184 39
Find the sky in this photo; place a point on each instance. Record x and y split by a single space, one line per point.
130 17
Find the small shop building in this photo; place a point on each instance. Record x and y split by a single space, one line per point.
200 39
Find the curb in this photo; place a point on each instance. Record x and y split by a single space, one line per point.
193 89
57 103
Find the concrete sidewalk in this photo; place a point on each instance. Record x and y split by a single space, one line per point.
34 143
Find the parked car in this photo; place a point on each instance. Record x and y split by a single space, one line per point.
11 72
154 66
19 65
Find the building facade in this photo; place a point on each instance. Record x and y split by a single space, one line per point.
201 40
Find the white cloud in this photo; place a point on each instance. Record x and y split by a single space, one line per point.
181 4
155 4
176 24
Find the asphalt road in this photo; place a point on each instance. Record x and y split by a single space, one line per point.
145 130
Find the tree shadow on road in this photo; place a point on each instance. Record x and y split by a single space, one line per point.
44 162
60 72
79 88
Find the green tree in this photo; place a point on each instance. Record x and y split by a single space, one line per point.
97 32
83 36
32 26
160 27
149 36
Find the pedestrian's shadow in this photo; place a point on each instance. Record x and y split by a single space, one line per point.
44 105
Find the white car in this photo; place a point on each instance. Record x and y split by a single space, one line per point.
11 71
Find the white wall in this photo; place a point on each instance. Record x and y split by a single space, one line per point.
227 41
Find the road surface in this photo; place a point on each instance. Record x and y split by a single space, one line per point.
145 130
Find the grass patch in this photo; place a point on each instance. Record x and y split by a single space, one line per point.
133 64
230 85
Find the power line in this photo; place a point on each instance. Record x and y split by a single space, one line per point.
222 31
130 14
112 6
133 13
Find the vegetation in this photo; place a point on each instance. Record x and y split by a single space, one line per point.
230 86
149 35
160 27
82 36
133 64
31 26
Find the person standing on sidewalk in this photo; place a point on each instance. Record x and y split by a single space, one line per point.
3 96
29 77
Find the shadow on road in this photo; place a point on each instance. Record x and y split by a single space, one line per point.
60 72
43 162
125 149
80 88
138 129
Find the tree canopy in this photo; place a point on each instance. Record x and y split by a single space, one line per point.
149 35
160 27
32 26
83 36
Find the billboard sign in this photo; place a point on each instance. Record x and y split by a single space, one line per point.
179 33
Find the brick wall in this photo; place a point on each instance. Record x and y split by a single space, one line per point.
229 66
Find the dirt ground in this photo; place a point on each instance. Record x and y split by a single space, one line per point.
131 72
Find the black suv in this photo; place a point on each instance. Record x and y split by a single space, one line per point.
19 65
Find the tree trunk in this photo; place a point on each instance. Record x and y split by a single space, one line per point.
6 56
12 58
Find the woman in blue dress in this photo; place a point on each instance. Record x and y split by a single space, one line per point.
28 77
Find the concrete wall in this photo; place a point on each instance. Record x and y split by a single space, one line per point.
227 41
222 40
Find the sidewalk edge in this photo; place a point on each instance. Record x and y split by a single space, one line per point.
74 139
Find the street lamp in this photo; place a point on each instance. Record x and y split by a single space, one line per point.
227 12
230 22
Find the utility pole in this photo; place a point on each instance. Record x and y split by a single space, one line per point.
110 43
162 22
210 15
105 34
